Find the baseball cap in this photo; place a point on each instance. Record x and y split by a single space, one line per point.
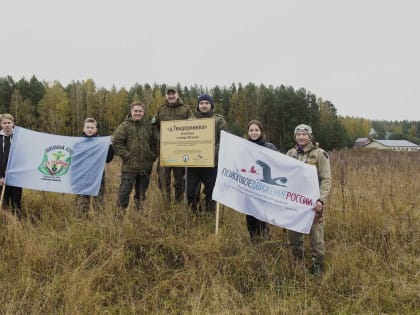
171 89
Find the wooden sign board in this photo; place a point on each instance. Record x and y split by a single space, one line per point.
189 143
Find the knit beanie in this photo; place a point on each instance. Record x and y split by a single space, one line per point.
205 97
304 128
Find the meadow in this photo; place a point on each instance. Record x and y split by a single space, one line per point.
164 260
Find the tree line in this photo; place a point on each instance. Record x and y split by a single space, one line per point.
58 109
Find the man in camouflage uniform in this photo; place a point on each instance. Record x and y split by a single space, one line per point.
173 109
134 142
309 152
205 175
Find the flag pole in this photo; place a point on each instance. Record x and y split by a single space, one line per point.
91 204
185 189
217 217
185 194
2 197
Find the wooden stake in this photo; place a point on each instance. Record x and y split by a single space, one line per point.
217 217
2 197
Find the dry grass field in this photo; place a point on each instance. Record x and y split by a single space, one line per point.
164 260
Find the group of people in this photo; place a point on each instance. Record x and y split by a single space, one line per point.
136 140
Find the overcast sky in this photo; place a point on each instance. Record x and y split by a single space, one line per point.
362 55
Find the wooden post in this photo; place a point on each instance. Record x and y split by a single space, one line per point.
185 189
217 217
2 197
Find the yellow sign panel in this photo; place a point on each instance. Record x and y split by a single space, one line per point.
187 142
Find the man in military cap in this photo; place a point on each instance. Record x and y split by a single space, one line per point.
308 151
173 109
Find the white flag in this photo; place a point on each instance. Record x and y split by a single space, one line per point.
56 163
266 184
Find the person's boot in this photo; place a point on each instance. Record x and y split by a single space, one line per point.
316 267
194 208
211 206
138 205
298 256
17 213
265 233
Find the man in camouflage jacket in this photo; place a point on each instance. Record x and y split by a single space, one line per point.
173 109
308 152
134 142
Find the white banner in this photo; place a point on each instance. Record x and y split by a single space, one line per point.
56 163
266 184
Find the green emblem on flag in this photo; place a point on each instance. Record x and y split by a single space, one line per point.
55 162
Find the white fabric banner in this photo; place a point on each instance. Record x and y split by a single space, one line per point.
266 184
56 163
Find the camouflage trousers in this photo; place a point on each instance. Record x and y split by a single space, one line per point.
140 181
164 181
316 236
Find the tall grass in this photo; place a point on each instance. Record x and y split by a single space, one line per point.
164 260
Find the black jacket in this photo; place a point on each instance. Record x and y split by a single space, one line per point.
262 141
5 143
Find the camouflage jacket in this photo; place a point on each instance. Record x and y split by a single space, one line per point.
220 123
134 142
177 111
316 156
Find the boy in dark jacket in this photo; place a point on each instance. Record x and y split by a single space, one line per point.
90 130
12 195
